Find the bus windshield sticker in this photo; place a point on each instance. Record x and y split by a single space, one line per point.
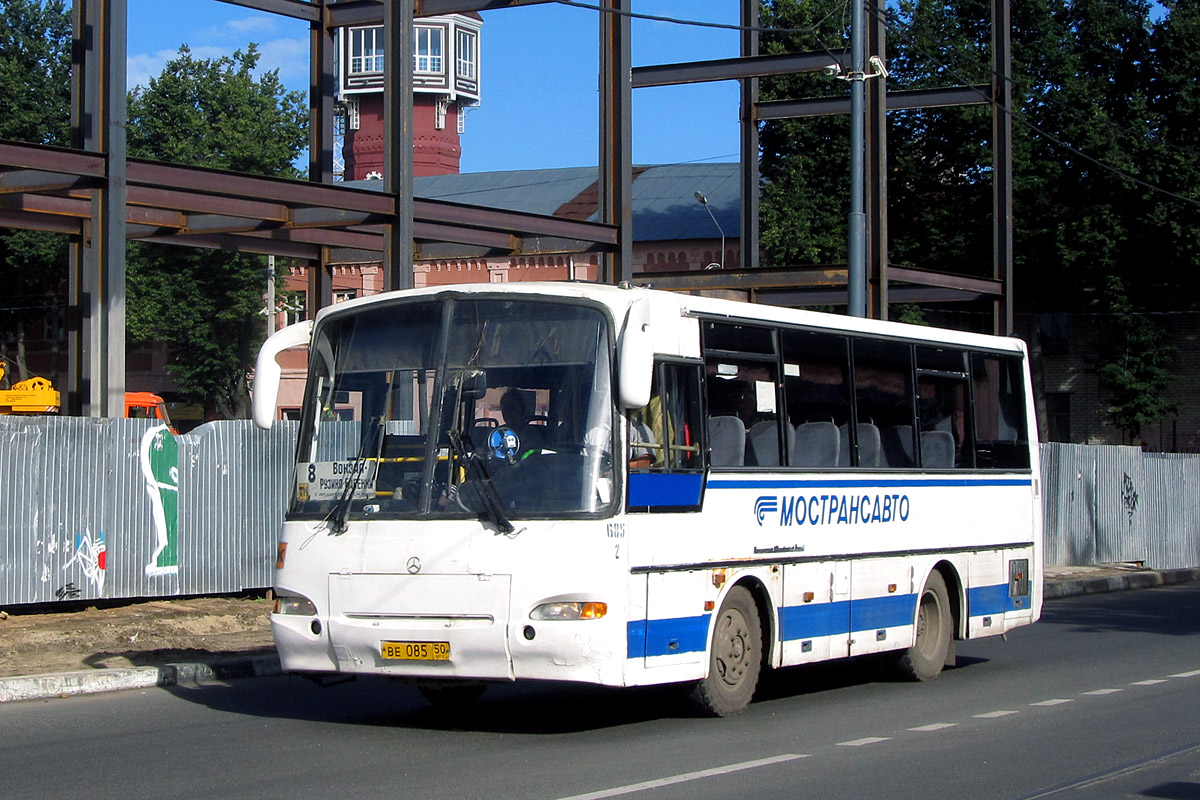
326 480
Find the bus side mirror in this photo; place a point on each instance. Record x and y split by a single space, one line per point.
635 366
267 372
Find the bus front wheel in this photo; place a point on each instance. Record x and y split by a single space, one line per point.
735 658
931 646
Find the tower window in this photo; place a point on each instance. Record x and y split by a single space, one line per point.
428 55
466 56
366 50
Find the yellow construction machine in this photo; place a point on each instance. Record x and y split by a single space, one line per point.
31 396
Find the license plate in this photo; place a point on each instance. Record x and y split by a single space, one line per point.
416 651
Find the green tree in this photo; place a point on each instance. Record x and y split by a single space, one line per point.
205 304
35 104
805 166
1136 365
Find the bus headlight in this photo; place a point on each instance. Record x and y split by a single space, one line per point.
568 611
294 604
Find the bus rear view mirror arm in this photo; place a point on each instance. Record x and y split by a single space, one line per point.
267 372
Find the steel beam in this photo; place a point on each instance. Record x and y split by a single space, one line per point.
34 181
296 9
96 361
52 159
876 157
398 156
616 133
40 222
729 69
371 12
1002 179
749 142
896 101
322 63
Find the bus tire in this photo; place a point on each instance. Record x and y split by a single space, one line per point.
452 696
931 646
735 658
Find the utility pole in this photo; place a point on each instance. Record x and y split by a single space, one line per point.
857 277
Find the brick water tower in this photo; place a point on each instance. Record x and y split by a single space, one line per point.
445 84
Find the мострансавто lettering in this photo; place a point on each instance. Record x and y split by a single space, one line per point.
834 509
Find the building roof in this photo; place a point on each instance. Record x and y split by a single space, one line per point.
664 204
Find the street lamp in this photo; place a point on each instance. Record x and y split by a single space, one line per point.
704 202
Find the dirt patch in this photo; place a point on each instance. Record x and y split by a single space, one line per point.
135 634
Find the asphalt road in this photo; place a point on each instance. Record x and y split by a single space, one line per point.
1099 700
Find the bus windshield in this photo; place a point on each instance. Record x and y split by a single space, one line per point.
458 407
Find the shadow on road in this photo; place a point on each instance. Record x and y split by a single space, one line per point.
1142 611
521 708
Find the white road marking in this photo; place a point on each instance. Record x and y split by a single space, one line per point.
1191 674
1058 701
1150 682
1103 691
684 778
937 726
864 741
994 714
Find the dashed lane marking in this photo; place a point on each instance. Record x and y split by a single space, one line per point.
937 726
1058 701
1150 682
864 741
685 777
1191 674
1103 691
994 714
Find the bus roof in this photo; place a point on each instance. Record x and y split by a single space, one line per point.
619 298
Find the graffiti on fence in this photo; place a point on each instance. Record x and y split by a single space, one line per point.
1129 498
160 469
91 557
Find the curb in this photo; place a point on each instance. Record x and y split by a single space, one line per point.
1142 579
66 684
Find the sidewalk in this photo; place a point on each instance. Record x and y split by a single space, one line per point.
1059 582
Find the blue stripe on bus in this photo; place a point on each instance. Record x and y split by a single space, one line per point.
811 621
667 637
664 489
983 600
861 483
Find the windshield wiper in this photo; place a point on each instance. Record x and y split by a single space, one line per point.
340 511
493 504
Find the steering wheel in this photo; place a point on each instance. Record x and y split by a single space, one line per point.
503 443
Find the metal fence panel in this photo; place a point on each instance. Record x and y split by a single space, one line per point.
115 508
1069 502
1108 504
120 508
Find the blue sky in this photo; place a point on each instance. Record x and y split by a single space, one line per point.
539 73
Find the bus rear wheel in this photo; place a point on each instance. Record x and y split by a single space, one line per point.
931 647
735 658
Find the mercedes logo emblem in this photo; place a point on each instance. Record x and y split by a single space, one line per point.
414 565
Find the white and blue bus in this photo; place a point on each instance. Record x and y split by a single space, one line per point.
622 486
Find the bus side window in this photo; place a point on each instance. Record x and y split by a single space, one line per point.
943 409
664 434
816 380
998 392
